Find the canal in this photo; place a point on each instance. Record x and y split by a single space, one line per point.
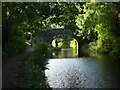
66 70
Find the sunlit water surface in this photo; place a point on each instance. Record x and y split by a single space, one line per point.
84 72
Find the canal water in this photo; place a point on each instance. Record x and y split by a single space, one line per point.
66 70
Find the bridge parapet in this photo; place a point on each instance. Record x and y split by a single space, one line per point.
48 35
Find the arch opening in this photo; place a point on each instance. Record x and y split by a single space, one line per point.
68 46
49 35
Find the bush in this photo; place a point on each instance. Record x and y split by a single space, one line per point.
33 75
41 54
33 68
93 49
17 45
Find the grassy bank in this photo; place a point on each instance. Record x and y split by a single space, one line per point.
33 68
93 49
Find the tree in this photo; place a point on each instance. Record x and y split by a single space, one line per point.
101 18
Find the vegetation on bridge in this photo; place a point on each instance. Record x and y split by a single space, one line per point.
95 23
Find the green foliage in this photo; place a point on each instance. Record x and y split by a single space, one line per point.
41 54
33 68
93 49
64 14
17 45
23 17
33 76
90 21
19 18
100 18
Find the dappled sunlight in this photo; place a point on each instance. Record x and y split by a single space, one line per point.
71 38
67 50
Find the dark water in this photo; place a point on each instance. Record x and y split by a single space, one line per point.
84 72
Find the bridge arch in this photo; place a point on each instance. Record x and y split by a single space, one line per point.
48 35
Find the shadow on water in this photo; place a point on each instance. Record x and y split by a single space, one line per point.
66 53
67 70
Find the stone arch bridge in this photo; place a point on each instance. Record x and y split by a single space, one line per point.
48 35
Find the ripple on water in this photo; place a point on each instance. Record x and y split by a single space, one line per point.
79 73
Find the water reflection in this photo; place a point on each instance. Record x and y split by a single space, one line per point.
84 72
66 53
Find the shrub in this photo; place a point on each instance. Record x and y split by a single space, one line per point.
33 75
41 53
17 45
